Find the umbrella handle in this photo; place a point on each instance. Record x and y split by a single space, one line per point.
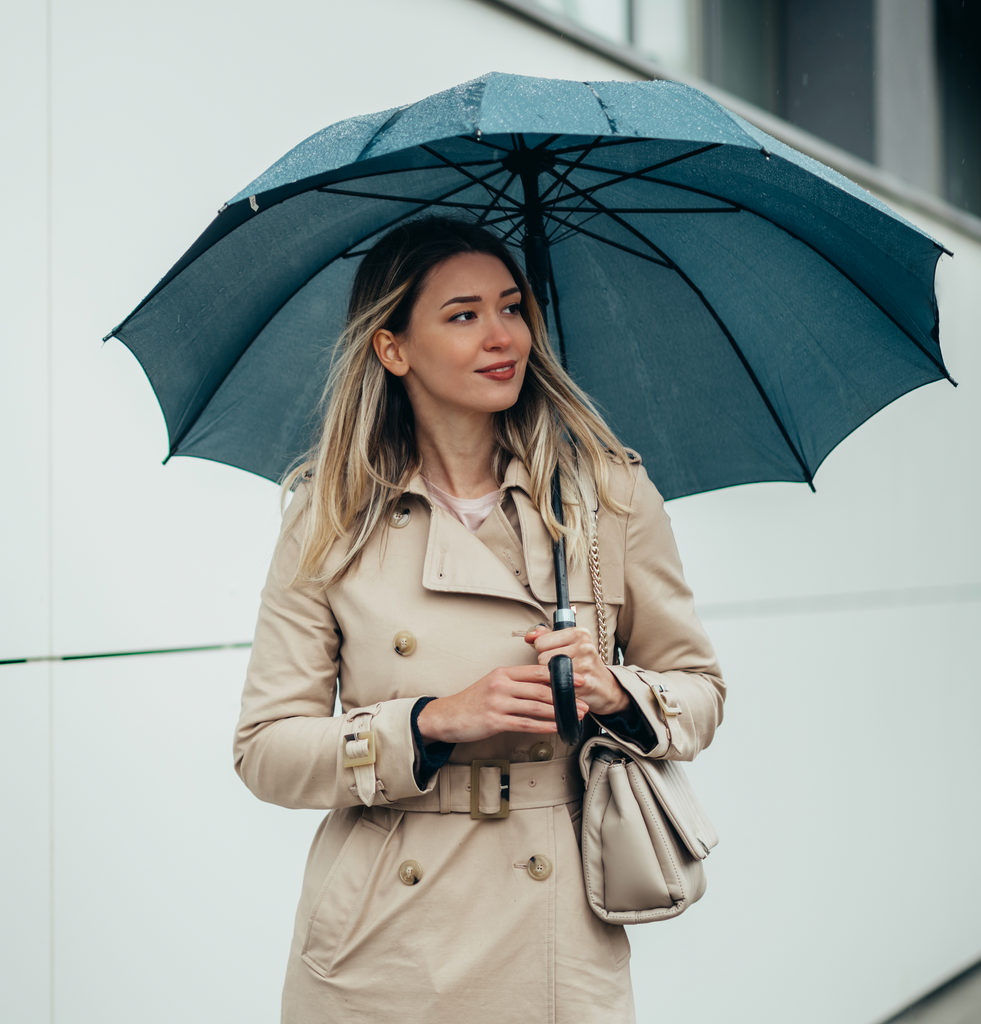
564 699
560 667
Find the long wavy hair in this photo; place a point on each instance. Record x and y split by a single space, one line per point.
366 452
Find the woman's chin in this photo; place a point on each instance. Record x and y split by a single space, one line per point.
488 401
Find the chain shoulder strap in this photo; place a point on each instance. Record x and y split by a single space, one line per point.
594 573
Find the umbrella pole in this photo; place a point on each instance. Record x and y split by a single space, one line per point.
560 667
537 269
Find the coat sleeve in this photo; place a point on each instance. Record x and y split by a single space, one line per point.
670 668
289 750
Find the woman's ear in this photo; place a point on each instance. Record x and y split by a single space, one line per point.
389 351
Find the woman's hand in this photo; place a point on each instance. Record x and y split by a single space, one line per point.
516 699
595 683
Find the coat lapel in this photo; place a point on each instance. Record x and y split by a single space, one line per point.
459 562
537 544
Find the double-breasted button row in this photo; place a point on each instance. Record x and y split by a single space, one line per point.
539 868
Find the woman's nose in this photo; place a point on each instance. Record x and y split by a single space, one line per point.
498 336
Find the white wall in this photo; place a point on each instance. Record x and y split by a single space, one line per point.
840 782
844 782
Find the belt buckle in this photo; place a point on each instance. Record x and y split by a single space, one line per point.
475 767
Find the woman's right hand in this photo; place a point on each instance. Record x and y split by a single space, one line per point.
515 699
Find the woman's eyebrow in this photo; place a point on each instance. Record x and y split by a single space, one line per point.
477 298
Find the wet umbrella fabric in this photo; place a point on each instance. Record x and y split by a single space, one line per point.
735 308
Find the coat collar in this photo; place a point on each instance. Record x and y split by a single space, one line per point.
458 561
515 476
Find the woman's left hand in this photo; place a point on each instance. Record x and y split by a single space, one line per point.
600 688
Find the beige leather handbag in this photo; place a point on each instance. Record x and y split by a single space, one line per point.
644 833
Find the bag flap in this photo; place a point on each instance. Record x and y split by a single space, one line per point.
673 791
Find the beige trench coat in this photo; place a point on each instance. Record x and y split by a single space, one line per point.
478 939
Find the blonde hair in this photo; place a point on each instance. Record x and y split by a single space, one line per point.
366 452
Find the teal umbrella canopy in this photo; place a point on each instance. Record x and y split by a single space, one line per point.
734 307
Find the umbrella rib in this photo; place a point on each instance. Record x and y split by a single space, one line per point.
875 302
163 282
620 176
645 175
751 373
407 199
608 144
579 230
589 190
654 209
512 229
500 220
926 351
810 245
401 170
560 236
642 176
808 477
617 220
482 218
501 194
176 443
560 179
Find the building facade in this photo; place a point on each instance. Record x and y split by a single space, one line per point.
895 82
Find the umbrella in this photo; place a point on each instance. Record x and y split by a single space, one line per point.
734 307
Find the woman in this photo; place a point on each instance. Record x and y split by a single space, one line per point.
414 572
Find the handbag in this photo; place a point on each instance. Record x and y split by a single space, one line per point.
644 833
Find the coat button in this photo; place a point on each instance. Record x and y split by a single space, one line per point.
400 517
410 872
539 867
540 752
404 643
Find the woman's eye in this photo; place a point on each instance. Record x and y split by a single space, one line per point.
514 308
467 314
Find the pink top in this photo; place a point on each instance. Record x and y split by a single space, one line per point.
470 511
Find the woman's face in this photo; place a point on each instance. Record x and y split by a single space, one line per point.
466 347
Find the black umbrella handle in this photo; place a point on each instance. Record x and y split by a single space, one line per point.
560 667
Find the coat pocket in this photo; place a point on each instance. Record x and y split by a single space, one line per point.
342 894
616 934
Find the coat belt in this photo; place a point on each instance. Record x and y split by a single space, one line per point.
501 787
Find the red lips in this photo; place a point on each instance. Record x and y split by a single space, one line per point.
498 371
497 366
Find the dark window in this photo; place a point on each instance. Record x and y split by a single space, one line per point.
810 61
827 71
742 41
959 61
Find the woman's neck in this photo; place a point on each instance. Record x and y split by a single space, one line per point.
458 454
